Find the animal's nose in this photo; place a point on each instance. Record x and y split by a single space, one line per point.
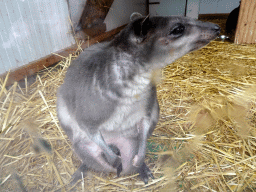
217 28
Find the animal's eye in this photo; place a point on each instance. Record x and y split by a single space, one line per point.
177 30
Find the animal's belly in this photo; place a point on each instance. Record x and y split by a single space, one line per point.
125 117
128 148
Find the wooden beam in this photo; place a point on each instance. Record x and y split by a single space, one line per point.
246 26
35 66
214 16
93 16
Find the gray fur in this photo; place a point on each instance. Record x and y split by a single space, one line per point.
108 98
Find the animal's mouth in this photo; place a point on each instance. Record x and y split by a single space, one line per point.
199 44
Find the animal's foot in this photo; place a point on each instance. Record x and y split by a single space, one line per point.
78 174
145 173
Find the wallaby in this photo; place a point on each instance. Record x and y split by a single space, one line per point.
108 104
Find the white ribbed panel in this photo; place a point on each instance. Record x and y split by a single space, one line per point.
32 29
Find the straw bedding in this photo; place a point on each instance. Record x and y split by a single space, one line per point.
205 139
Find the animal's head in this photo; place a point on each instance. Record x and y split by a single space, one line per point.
162 40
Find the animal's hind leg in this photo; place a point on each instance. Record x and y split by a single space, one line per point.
146 127
143 127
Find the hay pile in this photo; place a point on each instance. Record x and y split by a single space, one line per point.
208 111
205 139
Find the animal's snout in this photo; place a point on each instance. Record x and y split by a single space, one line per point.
217 28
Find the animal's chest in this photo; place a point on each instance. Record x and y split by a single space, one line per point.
126 116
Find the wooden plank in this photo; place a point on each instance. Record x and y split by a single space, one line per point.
244 9
246 27
49 60
214 16
251 24
254 28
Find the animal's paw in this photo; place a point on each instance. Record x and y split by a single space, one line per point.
78 174
117 164
145 173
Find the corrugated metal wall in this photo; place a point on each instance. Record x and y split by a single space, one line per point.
32 29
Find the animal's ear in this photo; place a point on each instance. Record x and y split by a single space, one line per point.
141 28
135 15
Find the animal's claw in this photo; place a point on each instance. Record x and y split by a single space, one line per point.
144 173
119 170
